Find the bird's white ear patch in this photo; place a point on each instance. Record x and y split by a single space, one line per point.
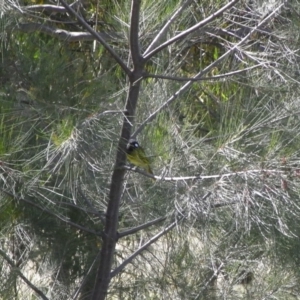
135 144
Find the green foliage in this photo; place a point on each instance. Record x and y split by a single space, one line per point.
10 214
64 128
233 140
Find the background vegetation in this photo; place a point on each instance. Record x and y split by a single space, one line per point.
210 89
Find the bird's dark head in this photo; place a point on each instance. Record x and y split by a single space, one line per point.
133 144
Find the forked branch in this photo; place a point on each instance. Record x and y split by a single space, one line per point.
202 72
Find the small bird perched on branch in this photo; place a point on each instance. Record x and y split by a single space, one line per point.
136 155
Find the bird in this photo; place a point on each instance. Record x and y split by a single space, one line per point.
136 155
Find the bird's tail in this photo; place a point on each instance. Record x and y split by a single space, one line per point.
149 170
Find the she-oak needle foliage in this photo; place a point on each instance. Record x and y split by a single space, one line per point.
220 221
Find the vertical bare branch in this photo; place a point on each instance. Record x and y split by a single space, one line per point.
134 33
110 235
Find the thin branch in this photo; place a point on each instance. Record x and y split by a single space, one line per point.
64 35
141 227
117 270
203 72
217 205
89 203
214 276
97 36
200 177
78 290
97 116
216 77
51 213
87 211
190 30
165 28
137 170
47 7
17 270
206 196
